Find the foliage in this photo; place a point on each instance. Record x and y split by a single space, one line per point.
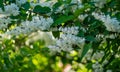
56 35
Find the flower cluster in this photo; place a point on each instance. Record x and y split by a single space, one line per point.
82 17
11 9
111 24
20 2
67 39
77 6
97 67
96 56
69 30
4 22
37 23
99 3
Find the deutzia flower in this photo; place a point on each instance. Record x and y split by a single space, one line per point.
20 2
98 55
70 30
4 22
82 17
27 27
67 39
99 3
111 24
78 4
97 67
11 9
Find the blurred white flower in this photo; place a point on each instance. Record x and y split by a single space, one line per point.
4 22
98 55
27 27
67 39
97 67
70 30
111 24
20 2
82 17
99 3
47 37
11 9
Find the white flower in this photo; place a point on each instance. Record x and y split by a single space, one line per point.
82 17
88 55
99 3
98 55
78 4
11 9
76 1
4 22
70 30
27 27
111 24
66 41
97 67
20 2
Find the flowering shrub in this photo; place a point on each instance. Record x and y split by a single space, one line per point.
59 35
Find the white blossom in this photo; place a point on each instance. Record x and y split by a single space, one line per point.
99 3
20 2
66 41
11 9
88 54
4 22
82 17
111 24
76 1
70 30
37 23
97 67
78 4
98 55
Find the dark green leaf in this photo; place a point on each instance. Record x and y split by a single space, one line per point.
41 10
56 5
90 38
63 19
26 6
1 4
56 34
85 50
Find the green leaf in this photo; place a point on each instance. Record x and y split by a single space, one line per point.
81 10
56 34
78 12
68 1
90 38
63 19
41 10
56 5
1 4
85 50
26 6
